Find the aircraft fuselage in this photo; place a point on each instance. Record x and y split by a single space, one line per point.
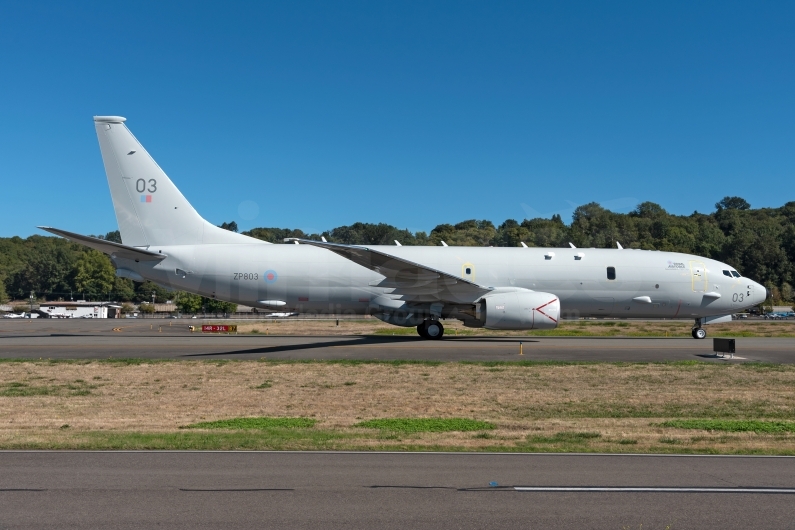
647 284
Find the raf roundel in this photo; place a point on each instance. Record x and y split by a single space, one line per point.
270 276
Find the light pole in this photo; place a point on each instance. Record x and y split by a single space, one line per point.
153 303
32 297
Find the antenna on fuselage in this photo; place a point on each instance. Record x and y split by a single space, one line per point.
398 244
619 246
571 245
444 244
323 239
522 242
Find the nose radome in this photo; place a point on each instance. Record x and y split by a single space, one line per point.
761 292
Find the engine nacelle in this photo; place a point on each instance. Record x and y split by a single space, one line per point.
519 309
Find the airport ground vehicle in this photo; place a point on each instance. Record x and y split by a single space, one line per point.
780 315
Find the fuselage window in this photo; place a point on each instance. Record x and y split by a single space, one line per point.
727 273
469 271
611 273
736 274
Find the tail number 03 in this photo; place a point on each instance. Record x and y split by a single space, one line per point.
140 186
737 297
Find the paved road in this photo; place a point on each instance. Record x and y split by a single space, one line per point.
409 490
95 339
91 339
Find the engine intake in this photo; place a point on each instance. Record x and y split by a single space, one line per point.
519 309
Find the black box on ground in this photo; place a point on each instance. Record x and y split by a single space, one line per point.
723 345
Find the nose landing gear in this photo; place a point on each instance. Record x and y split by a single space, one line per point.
431 329
699 333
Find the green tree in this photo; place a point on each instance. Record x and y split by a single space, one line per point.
47 270
649 210
123 289
786 292
3 294
94 274
189 303
370 234
114 236
444 232
512 234
144 290
215 306
546 232
732 203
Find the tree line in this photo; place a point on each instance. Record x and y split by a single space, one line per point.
760 243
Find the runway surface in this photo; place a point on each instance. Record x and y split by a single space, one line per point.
96 339
385 490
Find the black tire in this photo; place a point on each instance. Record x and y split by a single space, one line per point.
699 333
434 329
421 331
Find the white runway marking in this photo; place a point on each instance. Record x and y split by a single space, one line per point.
610 489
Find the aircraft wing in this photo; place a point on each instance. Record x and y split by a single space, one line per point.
108 247
413 280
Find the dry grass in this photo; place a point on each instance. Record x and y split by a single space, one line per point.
609 328
531 404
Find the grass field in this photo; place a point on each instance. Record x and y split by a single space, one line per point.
689 407
574 328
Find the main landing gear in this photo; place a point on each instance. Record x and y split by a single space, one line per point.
431 329
699 333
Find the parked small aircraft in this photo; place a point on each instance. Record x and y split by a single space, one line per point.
166 241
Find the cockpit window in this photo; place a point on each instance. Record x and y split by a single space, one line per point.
727 273
736 274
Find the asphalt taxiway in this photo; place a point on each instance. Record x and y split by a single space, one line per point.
171 339
121 490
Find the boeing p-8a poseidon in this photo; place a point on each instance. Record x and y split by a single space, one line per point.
166 241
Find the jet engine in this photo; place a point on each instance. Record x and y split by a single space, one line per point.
519 309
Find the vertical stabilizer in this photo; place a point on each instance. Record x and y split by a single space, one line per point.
150 210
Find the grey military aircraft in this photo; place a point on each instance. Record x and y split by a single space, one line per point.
166 241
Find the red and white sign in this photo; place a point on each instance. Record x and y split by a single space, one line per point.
218 329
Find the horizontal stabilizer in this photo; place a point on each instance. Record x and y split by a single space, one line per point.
115 250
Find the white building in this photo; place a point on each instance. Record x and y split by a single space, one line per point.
79 309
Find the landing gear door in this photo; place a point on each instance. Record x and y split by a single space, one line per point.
699 276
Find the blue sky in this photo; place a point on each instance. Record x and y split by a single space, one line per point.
319 114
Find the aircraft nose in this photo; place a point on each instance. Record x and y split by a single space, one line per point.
762 293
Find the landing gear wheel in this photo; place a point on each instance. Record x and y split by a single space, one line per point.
699 333
431 329
434 329
421 331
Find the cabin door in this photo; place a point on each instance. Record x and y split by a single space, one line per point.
699 276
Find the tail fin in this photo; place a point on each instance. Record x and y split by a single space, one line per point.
150 210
